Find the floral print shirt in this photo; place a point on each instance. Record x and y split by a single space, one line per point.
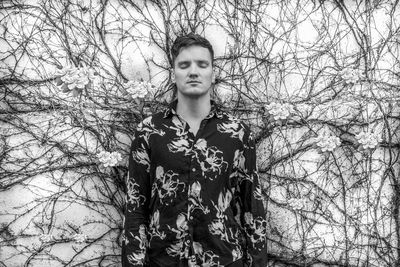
193 198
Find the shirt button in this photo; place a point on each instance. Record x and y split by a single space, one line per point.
191 217
194 169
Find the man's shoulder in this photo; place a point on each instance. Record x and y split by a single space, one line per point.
151 121
234 120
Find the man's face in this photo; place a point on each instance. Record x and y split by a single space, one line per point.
193 72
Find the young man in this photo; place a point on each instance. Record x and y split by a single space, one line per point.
192 169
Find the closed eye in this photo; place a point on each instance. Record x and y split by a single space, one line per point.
204 64
183 65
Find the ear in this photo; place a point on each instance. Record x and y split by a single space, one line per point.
214 75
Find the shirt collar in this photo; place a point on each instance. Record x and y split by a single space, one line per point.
215 110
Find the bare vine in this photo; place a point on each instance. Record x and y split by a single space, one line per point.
318 81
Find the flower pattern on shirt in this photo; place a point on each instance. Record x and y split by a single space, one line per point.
194 198
210 159
148 128
141 157
179 145
255 228
137 256
180 230
208 258
232 128
154 229
134 198
166 185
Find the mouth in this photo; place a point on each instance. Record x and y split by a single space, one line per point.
193 82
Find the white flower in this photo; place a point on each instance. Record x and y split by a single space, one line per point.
64 71
350 75
368 139
45 238
109 159
79 238
327 142
279 111
80 82
76 77
297 203
138 89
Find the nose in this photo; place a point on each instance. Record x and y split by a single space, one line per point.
194 71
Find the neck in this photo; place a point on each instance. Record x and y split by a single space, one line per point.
193 108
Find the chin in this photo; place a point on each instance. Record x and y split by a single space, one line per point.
194 92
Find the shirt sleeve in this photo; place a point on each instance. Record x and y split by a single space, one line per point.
252 212
136 219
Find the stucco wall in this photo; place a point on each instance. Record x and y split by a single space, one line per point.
317 81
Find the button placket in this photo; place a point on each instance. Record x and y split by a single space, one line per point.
191 179
202 125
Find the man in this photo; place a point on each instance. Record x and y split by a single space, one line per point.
192 169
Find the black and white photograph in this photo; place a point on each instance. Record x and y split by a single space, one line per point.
206 133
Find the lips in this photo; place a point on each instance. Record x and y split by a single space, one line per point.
195 82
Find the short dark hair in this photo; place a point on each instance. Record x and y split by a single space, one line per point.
187 40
